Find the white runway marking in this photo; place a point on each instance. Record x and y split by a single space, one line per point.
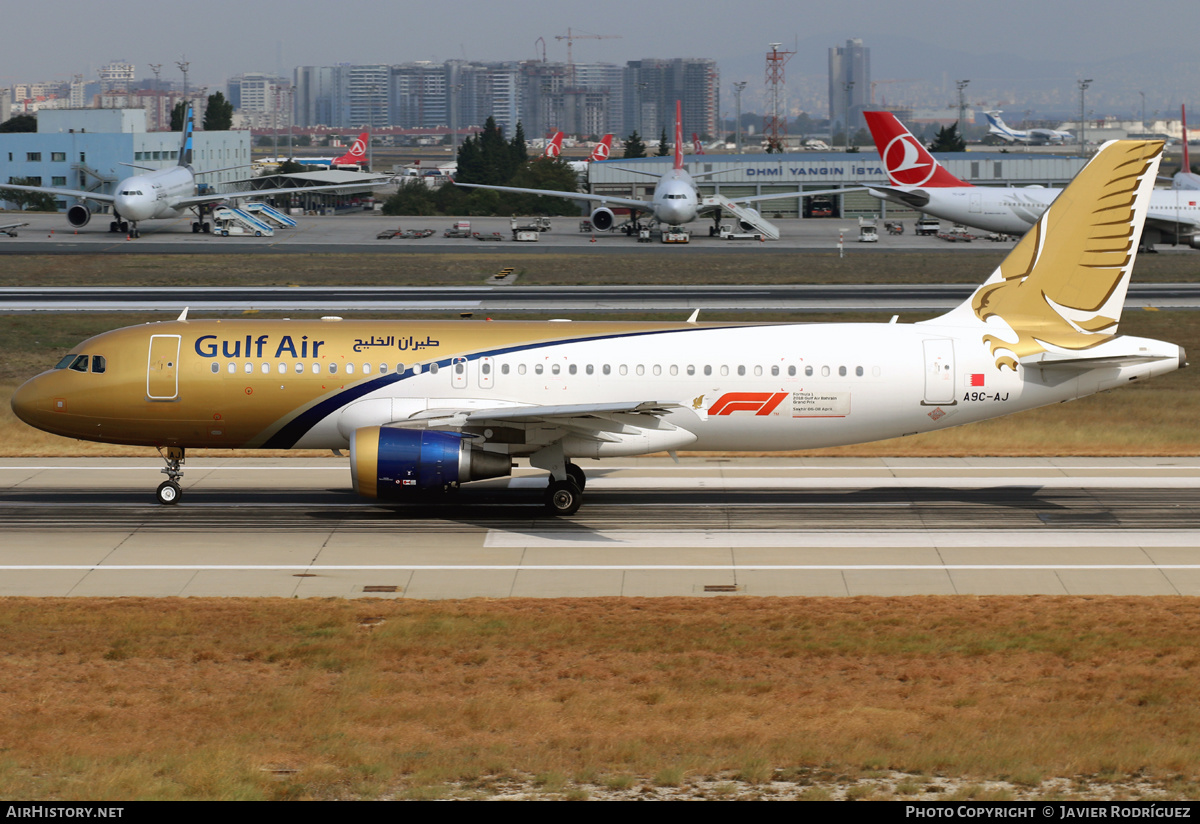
577 567
891 539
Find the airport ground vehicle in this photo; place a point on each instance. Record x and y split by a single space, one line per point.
928 225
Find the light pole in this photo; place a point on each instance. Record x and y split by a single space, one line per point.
849 86
962 104
1083 86
737 93
1143 94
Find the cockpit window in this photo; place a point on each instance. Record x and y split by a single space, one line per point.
65 362
98 364
80 363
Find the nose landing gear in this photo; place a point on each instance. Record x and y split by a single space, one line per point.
169 491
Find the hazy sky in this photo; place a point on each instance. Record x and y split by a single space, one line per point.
220 38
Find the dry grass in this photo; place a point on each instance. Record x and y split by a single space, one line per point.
576 267
173 699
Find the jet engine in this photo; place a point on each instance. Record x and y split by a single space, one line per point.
79 215
393 463
603 219
1194 241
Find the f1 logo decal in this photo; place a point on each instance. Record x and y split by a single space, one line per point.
760 403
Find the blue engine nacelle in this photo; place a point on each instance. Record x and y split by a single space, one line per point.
603 219
392 463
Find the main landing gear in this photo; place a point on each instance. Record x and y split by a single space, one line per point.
565 497
169 491
201 226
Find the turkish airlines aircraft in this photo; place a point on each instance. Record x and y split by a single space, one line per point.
601 151
920 182
675 201
426 405
1185 178
553 146
164 193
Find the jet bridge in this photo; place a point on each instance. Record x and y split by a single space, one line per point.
749 218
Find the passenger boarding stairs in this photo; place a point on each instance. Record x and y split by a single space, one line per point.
269 214
231 221
748 217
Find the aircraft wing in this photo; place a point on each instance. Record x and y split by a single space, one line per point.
97 196
245 194
588 419
914 198
603 200
1169 224
781 195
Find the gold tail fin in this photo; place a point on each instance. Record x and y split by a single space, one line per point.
1064 284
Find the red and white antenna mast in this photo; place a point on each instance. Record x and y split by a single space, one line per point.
775 123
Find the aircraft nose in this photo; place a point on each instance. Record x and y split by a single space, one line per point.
24 403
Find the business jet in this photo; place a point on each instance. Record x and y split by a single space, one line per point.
424 405
163 193
675 201
1002 130
919 182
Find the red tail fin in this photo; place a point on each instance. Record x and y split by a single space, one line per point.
554 147
907 162
357 154
1187 161
678 135
697 146
603 148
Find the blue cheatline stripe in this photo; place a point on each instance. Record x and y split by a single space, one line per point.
298 427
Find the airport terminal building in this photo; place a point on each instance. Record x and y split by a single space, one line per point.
93 149
760 174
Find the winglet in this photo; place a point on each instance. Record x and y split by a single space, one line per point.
908 163
695 315
1063 286
183 314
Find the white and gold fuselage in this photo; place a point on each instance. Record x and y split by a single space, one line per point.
312 384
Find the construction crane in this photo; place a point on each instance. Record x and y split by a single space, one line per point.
571 37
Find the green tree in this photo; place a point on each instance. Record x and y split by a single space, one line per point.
664 146
413 198
495 155
218 116
471 168
552 173
517 149
177 115
948 140
634 147
774 145
289 167
19 123
29 201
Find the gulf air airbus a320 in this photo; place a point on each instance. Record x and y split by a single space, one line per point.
426 405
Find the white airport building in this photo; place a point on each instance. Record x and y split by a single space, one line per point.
87 149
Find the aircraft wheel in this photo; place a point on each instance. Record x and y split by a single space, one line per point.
206 227
563 497
224 233
124 226
114 227
576 475
258 234
195 228
168 493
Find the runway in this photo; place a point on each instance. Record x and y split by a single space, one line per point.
649 527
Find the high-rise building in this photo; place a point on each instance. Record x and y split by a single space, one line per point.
321 96
651 87
418 96
849 84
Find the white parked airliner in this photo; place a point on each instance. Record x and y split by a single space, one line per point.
164 193
427 405
920 182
